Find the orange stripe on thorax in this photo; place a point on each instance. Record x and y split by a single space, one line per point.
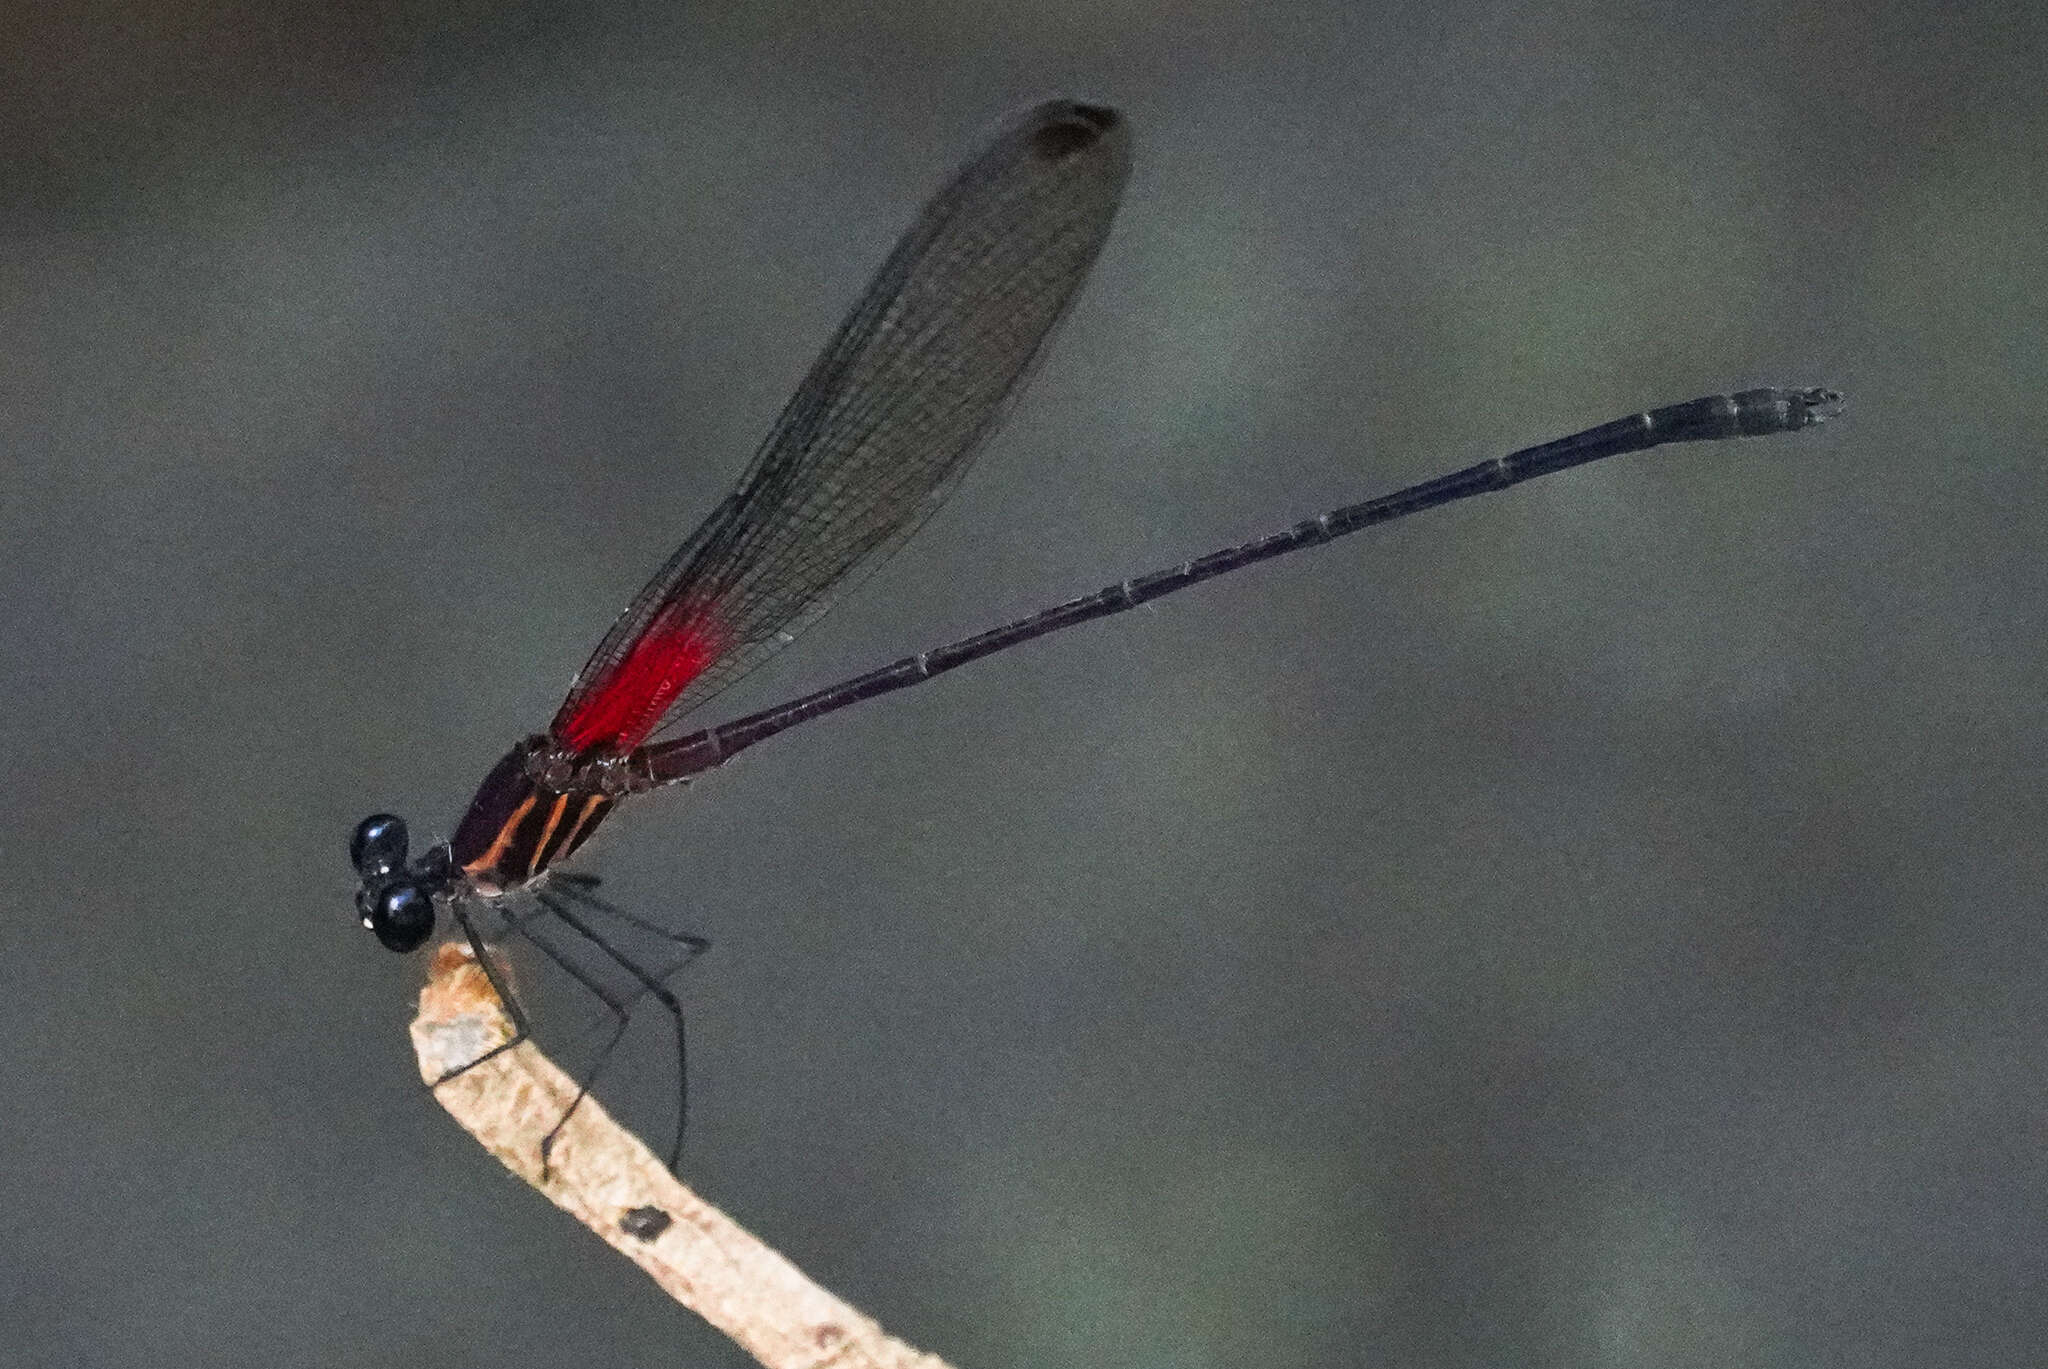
487 863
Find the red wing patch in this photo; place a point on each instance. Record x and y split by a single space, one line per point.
629 702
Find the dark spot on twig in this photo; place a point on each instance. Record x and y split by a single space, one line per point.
645 1222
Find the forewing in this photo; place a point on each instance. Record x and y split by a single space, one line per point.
880 430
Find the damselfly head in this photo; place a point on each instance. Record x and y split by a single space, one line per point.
397 906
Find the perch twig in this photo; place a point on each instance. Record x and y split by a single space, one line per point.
599 1173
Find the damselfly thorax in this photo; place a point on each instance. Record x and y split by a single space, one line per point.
536 806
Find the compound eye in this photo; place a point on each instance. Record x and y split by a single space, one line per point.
402 916
378 848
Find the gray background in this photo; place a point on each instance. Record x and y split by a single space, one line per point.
1594 926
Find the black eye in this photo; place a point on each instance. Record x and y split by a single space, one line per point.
402 916
378 847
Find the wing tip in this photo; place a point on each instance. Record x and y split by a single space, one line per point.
1059 129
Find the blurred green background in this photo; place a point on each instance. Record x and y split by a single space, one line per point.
1595 926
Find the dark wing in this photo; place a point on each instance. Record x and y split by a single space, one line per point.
880 430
